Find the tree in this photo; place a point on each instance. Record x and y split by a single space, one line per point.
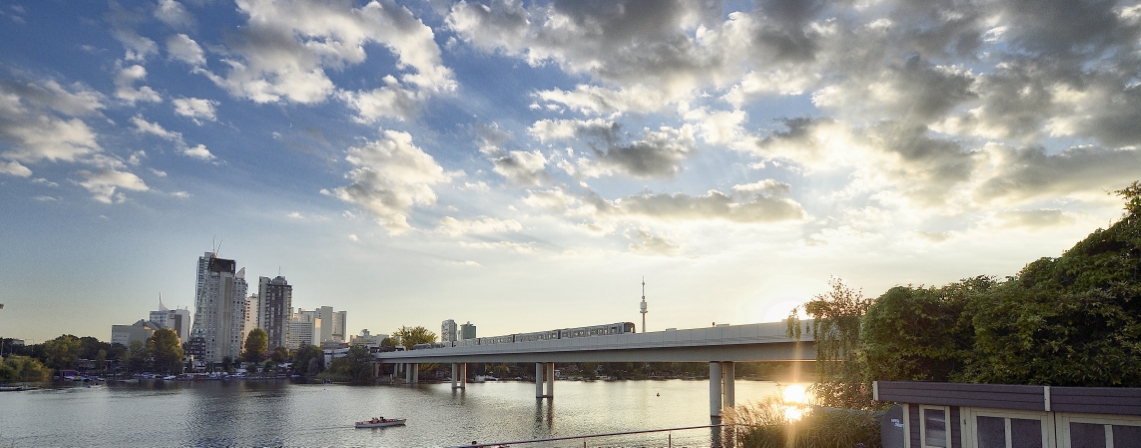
138 356
414 335
355 365
23 368
840 362
309 360
280 354
388 342
62 352
227 362
257 342
167 351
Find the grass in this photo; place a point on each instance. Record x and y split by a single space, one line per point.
765 425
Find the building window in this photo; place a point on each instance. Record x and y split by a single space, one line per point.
1010 429
1098 431
935 431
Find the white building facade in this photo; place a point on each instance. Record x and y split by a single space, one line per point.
448 330
219 309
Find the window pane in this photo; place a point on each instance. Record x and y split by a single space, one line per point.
991 432
1025 433
1087 435
935 428
1126 436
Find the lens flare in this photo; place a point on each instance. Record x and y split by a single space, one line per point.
795 393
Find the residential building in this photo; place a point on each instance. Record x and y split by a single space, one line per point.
304 329
251 319
467 331
176 319
138 331
275 310
219 310
448 331
368 340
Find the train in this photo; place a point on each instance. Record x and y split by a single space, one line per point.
565 333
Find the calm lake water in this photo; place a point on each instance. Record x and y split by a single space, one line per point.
280 413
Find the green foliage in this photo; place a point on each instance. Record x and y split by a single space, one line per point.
62 352
356 365
257 342
840 362
166 349
309 360
138 356
388 342
279 355
23 368
412 336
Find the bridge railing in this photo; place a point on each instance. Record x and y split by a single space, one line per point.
717 436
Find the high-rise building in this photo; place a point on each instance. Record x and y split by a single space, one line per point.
275 309
219 310
251 320
176 319
138 331
467 331
367 339
332 324
448 331
304 329
340 323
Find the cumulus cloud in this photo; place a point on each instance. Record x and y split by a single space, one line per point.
125 86
122 28
526 168
15 168
392 101
746 207
143 126
283 52
39 121
1028 173
658 154
181 47
650 244
389 177
102 184
174 15
196 109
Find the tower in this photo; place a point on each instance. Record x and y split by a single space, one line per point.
219 309
275 309
644 311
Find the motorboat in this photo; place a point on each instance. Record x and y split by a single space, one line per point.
381 422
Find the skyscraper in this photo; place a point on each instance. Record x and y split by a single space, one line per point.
448 331
275 309
177 320
219 310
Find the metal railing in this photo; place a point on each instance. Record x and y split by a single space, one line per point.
714 440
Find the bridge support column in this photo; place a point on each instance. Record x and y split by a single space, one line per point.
540 375
551 380
454 368
463 375
415 373
727 376
714 389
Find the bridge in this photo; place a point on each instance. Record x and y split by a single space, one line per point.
720 346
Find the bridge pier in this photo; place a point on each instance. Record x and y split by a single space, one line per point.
411 373
722 392
545 373
461 370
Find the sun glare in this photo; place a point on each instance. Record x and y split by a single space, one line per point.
795 393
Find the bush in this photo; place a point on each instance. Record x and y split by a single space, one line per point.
763 425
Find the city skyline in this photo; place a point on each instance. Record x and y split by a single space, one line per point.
523 165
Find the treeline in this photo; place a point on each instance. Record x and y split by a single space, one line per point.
1074 320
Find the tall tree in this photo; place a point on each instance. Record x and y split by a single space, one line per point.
356 365
62 352
409 336
840 363
309 360
167 351
280 354
138 356
256 344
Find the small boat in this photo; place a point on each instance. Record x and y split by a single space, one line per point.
381 422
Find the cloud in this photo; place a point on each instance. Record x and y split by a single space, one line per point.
389 177
390 101
145 127
284 49
1035 219
482 226
122 28
526 168
650 244
659 154
174 15
15 169
196 109
182 48
103 184
743 207
125 86
1029 173
37 121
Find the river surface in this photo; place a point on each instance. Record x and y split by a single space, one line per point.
281 413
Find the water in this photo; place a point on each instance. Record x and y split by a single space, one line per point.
279 413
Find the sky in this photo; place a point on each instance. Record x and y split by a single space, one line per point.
524 165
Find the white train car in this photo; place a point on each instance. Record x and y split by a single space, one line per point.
537 336
597 330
